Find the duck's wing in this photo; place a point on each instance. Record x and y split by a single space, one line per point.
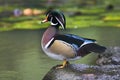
72 45
83 46
72 40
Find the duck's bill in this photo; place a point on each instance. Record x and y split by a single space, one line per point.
44 21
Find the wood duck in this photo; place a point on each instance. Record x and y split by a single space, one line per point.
65 46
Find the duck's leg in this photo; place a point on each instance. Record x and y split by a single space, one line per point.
65 63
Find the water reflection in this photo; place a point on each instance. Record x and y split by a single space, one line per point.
21 57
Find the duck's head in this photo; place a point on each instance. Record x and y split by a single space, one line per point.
56 18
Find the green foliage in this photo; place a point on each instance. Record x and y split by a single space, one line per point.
89 17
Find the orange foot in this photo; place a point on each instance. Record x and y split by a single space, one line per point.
65 63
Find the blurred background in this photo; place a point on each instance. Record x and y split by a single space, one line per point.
21 57
14 14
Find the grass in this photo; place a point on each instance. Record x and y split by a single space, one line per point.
95 17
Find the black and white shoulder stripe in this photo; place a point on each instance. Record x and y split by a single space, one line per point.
71 39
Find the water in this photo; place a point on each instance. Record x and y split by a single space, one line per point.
21 57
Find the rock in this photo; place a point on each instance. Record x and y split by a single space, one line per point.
37 12
17 12
110 57
84 72
107 69
28 12
110 7
31 12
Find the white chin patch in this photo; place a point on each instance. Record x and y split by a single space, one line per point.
53 23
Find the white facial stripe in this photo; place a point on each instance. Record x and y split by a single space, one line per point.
62 17
60 22
46 46
52 22
51 19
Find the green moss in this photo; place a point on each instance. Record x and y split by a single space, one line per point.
91 17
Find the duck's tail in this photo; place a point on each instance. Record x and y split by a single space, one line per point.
92 47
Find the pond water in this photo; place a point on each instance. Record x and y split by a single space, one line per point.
21 57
